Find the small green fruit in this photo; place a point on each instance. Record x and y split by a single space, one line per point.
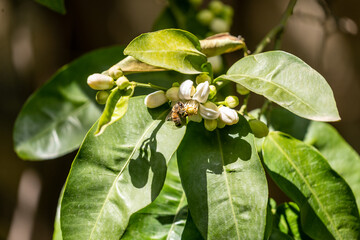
205 17
210 124
219 25
216 7
196 3
259 128
102 96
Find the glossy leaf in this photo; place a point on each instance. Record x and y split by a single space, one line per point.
55 119
170 49
55 5
57 235
115 108
288 81
118 173
165 217
224 181
190 231
305 176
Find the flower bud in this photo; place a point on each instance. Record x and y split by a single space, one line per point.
213 91
196 3
219 25
209 110
210 125
155 99
216 7
242 90
203 77
173 94
259 128
202 92
231 101
115 72
122 82
220 123
228 116
102 96
175 84
205 17
99 81
186 90
217 64
195 118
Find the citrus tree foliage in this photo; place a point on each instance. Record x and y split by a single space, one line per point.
172 155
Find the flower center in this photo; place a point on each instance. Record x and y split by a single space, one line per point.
191 107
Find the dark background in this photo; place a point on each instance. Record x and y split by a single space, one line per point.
35 42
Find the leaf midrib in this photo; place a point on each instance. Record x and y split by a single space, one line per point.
227 184
277 85
196 53
122 170
307 184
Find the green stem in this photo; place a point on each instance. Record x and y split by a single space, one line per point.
277 31
149 85
264 108
243 108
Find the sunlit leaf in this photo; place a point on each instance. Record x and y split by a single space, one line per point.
55 119
288 81
324 198
170 49
118 173
224 181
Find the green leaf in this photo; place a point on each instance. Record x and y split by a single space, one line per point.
339 154
165 217
223 179
288 81
57 235
170 49
116 107
190 231
55 5
55 119
118 173
305 176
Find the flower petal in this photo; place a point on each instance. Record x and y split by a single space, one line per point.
155 99
209 111
185 90
202 92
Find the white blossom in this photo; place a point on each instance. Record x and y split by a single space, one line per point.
228 116
99 81
155 99
202 92
209 110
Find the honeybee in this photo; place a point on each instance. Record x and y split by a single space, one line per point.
178 114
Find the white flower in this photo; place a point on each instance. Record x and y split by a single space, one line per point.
202 92
228 116
186 90
209 111
155 99
99 81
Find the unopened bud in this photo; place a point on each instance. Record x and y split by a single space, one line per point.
228 116
122 82
209 110
221 43
210 124
155 99
231 101
115 72
259 128
173 94
196 3
205 17
220 123
203 77
213 91
99 81
175 84
241 89
219 25
102 96
216 7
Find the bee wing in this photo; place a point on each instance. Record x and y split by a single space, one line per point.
168 117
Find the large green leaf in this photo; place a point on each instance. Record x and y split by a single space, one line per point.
55 118
171 49
55 5
306 177
224 181
57 235
288 81
118 173
165 217
191 232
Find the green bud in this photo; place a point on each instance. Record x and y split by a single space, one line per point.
102 96
213 91
216 7
203 77
220 123
115 72
196 3
210 125
242 90
122 82
205 17
217 64
259 128
99 81
219 25
176 84
173 94
231 101
228 11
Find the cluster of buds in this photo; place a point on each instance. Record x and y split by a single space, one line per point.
197 104
103 82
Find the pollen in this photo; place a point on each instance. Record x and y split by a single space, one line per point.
191 107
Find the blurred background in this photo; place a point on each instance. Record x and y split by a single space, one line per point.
35 42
